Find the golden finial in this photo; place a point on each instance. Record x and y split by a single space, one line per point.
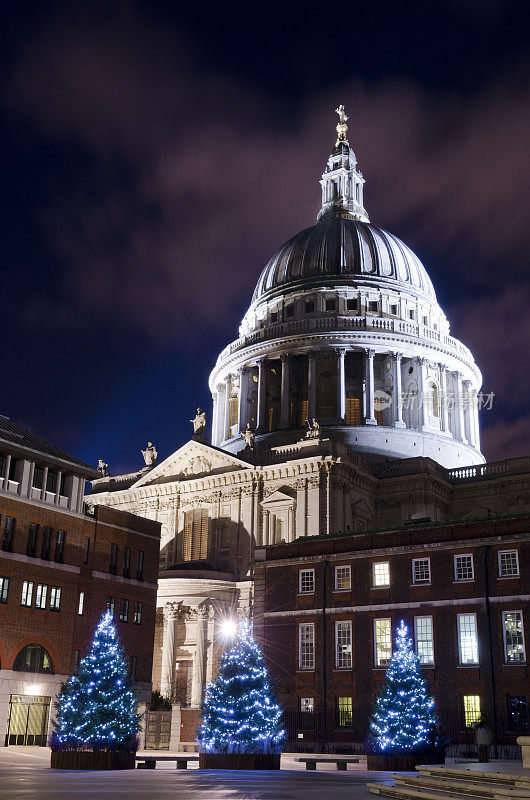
342 128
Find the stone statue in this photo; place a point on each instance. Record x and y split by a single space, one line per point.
313 429
150 455
199 423
248 436
103 468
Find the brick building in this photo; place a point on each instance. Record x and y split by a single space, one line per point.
60 569
327 609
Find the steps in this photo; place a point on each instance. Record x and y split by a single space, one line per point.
442 783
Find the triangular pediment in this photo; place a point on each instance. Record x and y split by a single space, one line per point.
193 460
277 497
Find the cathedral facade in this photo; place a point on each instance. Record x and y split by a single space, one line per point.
344 405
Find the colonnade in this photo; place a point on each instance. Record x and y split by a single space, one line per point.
201 653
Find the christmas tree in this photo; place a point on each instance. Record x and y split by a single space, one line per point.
96 708
239 713
404 716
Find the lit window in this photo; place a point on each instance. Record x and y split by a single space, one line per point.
464 567
55 598
137 617
471 709
4 589
381 573
307 704
508 564
81 605
40 595
110 606
343 578
382 642
518 713
421 570
306 581
306 638
343 656
345 711
124 610
353 410
512 625
424 639
467 638
27 593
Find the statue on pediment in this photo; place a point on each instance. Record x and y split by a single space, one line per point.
249 437
103 468
199 424
150 455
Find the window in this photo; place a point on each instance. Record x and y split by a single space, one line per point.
343 652
353 410
46 543
309 306
289 311
55 598
467 638
373 305
113 561
124 610
472 714
307 704
60 537
38 478
4 589
464 567
394 309
306 638
512 626
33 658
425 321
133 664
306 581
140 566
331 305
195 544
381 573
435 402
342 578
81 604
31 547
77 659
352 304
137 618
424 639
508 564
110 605
345 712
127 562
382 642
274 316
411 314
9 532
421 570
86 550
27 593
518 713
40 596
51 482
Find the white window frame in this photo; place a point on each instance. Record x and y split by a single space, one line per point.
504 614
81 604
476 712
416 639
503 552
461 662
40 595
464 555
421 582
300 581
380 585
311 663
382 663
346 567
55 598
307 705
27 594
343 660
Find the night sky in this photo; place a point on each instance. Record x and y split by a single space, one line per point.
155 155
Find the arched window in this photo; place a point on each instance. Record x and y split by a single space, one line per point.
33 658
435 400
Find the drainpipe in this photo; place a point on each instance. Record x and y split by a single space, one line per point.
324 655
490 644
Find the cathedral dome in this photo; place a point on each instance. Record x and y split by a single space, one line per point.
341 249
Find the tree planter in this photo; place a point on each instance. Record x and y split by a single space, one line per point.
87 759
402 762
239 760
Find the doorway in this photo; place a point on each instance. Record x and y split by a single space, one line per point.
27 723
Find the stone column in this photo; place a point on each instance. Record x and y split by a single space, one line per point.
58 489
369 382
215 411
444 400
198 663
266 525
422 363
284 421
220 416
168 651
174 736
241 399
476 422
468 407
397 399
226 421
459 408
5 476
44 482
211 641
290 524
311 385
341 384
262 396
